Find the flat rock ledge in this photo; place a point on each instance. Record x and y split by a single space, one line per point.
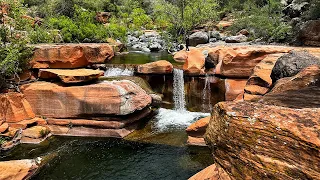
69 76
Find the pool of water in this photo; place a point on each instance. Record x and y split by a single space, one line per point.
96 158
138 57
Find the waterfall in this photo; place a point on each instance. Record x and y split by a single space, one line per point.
178 90
118 72
206 95
179 117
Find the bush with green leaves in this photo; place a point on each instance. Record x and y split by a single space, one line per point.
263 22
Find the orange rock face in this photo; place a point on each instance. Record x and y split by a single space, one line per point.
105 98
15 108
257 141
17 169
70 55
234 88
70 76
259 83
196 131
213 172
158 67
194 64
181 56
239 61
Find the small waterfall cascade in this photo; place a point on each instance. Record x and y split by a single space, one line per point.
178 90
178 117
114 71
206 94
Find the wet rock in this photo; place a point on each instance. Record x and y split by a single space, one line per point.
155 46
70 55
309 33
15 108
196 141
157 67
195 62
234 88
290 64
105 98
213 172
245 139
18 169
198 38
236 39
70 76
260 82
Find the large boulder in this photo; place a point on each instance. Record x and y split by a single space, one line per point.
236 39
15 108
257 141
195 62
105 98
70 55
309 33
290 64
18 169
181 56
260 82
196 132
158 67
198 38
239 61
234 88
70 76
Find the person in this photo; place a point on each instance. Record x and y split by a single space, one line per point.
187 42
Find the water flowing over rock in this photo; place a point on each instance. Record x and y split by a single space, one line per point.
258 141
70 55
178 90
157 67
70 76
18 169
105 98
290 64
114 72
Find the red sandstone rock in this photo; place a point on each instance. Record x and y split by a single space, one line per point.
260 82
14 108
181 56
70 55
70 76
35 132
199 126
105 98
17 169
234 87
305 78
213 172
158 67
196 141
194 64
3 127
25 123
258 141
224 24
93 132
239 61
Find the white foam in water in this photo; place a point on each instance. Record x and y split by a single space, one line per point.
179 118
118 72
167 119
